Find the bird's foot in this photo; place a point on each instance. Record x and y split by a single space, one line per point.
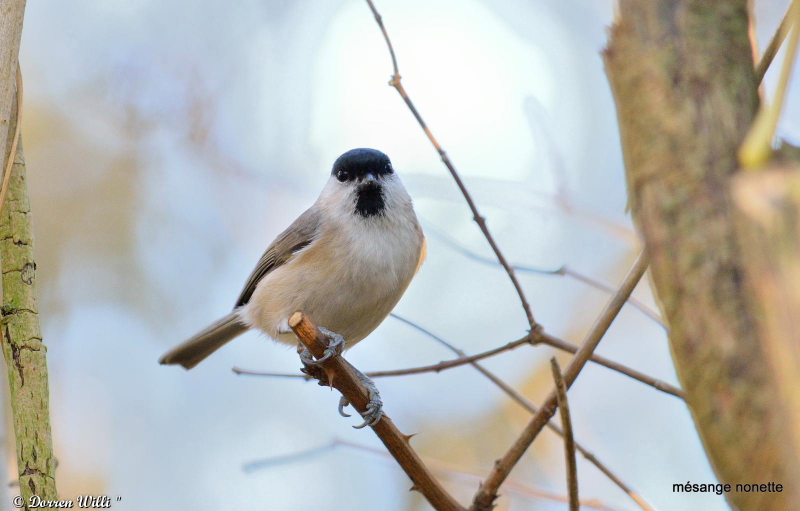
374 410
334 349
311 365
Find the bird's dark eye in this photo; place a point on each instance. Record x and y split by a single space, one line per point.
389 168
342 175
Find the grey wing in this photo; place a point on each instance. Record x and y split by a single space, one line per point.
299 235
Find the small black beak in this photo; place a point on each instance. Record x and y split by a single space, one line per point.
367 180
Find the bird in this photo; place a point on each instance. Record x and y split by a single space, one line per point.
345 262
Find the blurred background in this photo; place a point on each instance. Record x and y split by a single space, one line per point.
168 143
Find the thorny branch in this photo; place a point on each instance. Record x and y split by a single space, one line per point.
341 375
487 494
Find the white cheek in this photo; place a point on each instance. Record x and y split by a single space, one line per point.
394 193
337 198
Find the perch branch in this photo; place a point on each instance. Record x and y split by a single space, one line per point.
486 495
480 220
569 440
341 375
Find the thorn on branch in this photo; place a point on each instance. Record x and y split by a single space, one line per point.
347 380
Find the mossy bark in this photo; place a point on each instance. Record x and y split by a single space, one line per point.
23 349
682 76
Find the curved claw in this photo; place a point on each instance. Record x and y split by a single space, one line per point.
335 348
335 345
306 357
373 414
342 403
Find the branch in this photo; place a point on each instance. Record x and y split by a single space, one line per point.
549 340
486 495
480 220
505 387
15 141
543 338
774 45
23 349
569 441
563 271
531 408
756 148
341 375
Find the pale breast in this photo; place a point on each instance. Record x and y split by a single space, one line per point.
348 281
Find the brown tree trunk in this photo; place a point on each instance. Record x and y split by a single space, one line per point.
682 75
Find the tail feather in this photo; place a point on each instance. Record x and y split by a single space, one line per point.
194 350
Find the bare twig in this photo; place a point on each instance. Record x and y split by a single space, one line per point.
543 338
534 339
251 372
531 408
569 440
341 375
663 386
456 362
774 45
564 271
437 466
480 220
486 495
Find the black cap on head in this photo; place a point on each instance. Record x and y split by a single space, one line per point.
357 163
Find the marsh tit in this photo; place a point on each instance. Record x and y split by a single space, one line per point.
345 262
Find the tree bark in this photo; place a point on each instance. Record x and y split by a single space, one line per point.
11 16
23 349
682 76
24 352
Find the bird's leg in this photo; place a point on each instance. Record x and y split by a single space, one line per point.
311 365
374 410
335 348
